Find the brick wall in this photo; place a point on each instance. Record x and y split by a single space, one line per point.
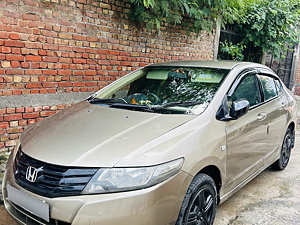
54 47
14 120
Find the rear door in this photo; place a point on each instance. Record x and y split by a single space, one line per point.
275 103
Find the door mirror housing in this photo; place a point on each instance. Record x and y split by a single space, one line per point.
232 110
239 108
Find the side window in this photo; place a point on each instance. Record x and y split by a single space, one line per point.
278 87
247 89
268 86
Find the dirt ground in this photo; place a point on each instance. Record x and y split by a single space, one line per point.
272 198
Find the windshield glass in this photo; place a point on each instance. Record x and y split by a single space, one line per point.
166 90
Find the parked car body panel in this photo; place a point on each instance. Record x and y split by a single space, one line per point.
80 131
106 135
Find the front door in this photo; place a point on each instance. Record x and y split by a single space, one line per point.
246 136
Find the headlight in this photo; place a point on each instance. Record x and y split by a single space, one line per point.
108 180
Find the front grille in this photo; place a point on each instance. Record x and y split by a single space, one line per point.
52 180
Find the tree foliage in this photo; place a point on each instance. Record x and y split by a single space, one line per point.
271 25
204 13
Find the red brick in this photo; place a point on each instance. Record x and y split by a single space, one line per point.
20 109
47 113
78 84
42 52
29 109
31 115
25 65
50 59
7 92
25 92
65 84
65 72
81 61
91 84
14 36
65 22
15 64
43 91
14 57
49 84
49 72
90 72
4 35
14 130
37 108
12 117
33 85
31 2
4 125
16 85
31 121
92 39
65 36
34 45
6 27
79 37
23 30
17 92
33 58
65 60
23 123
33 17
14 44
33 72
6 49
42 78
78 73
10 110
14 72
14 136
34 91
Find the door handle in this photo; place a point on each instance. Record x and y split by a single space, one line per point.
261 116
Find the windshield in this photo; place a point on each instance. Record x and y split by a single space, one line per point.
166 90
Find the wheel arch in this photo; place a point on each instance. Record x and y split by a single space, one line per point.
215 174
292 127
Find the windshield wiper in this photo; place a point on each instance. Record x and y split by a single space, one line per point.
143 108
171 104
108 100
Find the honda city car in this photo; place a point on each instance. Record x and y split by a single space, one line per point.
162 145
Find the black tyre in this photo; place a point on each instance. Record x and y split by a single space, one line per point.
200 202
285 153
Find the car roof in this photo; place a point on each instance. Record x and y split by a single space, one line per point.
210 64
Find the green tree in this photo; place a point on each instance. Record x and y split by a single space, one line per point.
271 25
195 15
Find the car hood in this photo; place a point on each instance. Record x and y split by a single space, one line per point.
95 136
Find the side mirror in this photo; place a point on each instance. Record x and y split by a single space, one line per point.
239 108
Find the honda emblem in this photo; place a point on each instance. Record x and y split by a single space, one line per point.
31 174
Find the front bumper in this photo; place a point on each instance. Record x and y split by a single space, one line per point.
157 205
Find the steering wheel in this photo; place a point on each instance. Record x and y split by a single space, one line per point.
157 99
